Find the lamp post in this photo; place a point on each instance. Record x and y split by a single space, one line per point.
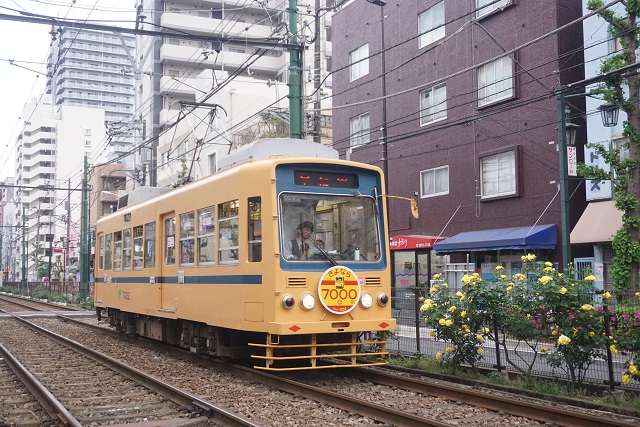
567 135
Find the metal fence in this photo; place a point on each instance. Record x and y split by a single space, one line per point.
71 290
412 338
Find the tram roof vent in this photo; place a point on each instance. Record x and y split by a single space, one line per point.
139 195
283 147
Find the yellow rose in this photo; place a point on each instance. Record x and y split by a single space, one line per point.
554 332
543 349
613 349
633 369
606 295
441 322
485 330
480 351
626 379
564 340
548 264
591 333
432 333
563 290
590 278
449 322
449 350
438 356
499 267
452 308
480 339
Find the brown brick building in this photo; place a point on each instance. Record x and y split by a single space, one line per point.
462 94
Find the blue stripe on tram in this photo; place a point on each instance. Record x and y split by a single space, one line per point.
245 279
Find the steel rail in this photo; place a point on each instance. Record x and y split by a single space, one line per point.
507 404
478 398
51 405
178 396
15 300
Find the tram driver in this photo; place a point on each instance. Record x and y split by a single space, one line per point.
298 248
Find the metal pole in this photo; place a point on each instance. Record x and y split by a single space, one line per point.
23 282
84 236
385 151
295 76
317 129
50 247
564 182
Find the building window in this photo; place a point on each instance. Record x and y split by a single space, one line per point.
359 62
485 7
212 163
434 182
433 104
359 130
498 175
431 25
495 81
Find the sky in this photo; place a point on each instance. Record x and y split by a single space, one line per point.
27 45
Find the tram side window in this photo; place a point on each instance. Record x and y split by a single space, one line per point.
137 247
117 250
228 232
101 254
150 245
107 251
206 236
255 229
169 241
187 230
126 249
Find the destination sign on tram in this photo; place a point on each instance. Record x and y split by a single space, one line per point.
325 179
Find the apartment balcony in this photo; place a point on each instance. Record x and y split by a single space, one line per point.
198 25
178 85
186 54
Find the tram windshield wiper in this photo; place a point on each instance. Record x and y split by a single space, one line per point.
325 253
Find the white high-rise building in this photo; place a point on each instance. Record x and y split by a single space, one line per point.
49 172
242 90
93 69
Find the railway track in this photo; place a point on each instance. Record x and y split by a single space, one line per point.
79 386
403 401
13 304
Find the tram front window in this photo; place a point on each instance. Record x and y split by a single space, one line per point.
316 227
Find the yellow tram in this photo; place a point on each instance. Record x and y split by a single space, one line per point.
283 259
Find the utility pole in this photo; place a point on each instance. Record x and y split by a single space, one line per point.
317 62
84 236
23 281
66 251
295 76
50 248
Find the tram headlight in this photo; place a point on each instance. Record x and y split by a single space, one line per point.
383 299
307 301
288 302
366 300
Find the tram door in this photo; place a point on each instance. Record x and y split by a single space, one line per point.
168 268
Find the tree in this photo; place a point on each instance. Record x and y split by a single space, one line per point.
622 90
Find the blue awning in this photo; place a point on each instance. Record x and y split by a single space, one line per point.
536 237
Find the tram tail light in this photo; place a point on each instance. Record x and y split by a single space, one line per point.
288 302
383 299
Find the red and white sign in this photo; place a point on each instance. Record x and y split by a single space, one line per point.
399 243
572 161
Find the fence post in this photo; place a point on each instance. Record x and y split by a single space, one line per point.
416 299
607 330
498 364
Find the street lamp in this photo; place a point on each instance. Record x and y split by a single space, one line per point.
609 114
